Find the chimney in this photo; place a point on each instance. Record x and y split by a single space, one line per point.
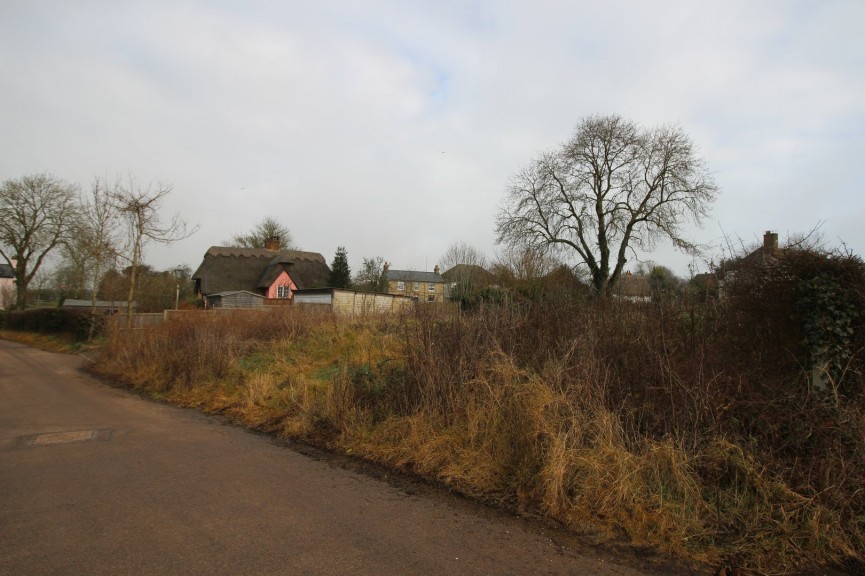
770 242
436 270
386 267
272 243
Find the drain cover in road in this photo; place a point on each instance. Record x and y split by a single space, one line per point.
68 437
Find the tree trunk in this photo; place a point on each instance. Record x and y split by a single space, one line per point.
20 283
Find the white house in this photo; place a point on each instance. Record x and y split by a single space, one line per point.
7 286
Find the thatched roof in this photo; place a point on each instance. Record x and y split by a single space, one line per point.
226 269
633 286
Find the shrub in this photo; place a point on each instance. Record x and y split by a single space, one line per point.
72 323
695 427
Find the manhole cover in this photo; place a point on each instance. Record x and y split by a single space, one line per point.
67 437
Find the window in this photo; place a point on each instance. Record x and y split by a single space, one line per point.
416 286
431 287
431 298
400 286
283 292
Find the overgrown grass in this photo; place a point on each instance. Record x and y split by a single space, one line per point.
64 343
648 422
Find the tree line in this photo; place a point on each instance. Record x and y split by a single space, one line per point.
588 205
96 230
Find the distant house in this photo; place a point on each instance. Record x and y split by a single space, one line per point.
712 284
469 272
269 273
420 286
633 287
7 286
465 279
762 256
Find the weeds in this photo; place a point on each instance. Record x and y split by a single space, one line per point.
665 423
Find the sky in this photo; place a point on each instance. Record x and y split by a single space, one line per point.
393 128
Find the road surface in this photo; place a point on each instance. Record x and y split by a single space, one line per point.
95 480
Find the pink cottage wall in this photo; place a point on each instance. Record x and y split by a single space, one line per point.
282 280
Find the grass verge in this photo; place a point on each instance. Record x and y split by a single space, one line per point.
637 423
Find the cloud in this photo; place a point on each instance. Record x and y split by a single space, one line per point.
392 127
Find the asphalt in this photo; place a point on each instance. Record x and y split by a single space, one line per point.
95 480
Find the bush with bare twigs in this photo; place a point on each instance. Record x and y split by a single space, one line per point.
731 428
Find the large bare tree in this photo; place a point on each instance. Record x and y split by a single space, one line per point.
613 188
36 213
139 205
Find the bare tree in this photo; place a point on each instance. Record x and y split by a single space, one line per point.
268 228
462 253
139 205
94 245
613 188
371 277
464 268
523 265
663 282
35 216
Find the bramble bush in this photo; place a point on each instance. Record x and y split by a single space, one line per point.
728 428
73 323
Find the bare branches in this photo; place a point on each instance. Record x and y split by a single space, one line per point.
372 276
139 205
268 229
36 213
614 187
462 253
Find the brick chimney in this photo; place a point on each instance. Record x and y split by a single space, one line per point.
272 243
436 270
770 242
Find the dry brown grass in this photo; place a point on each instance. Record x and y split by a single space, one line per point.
623 420
51 342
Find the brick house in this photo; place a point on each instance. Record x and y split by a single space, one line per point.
421 286
711 284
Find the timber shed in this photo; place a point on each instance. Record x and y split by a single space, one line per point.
235 299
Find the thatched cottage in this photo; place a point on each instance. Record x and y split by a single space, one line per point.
247 277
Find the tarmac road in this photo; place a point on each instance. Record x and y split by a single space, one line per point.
95 480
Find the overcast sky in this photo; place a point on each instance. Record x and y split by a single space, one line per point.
393 127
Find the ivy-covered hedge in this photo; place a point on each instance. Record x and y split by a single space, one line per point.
804 311
75 323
